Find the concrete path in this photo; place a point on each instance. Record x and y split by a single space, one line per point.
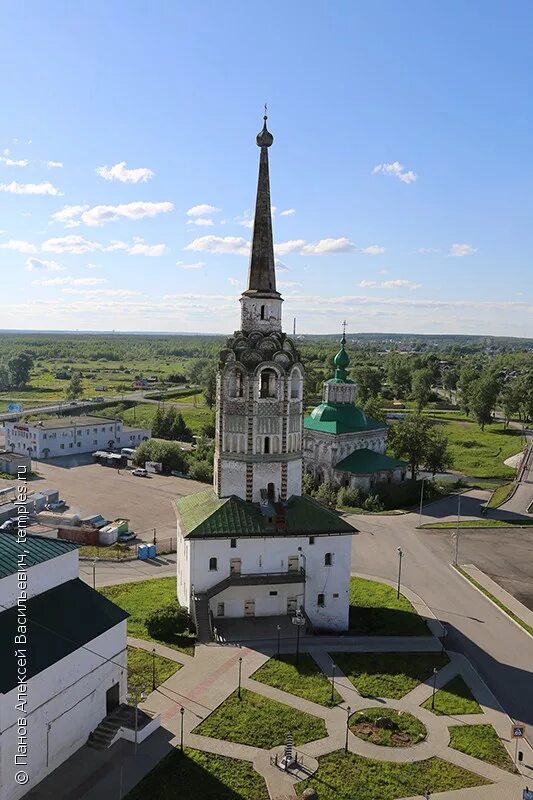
517 608
522 497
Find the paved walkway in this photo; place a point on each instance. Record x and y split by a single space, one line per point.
514 605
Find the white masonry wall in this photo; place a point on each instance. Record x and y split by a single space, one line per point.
41 577
65 703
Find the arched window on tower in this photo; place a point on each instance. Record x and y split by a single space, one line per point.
267 444
263 312
235 383
268 383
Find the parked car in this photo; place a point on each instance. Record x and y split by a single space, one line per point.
140 472
127 536
9 525
57 505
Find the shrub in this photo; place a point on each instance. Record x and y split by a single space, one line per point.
201 471
168 621
328 493
373 503
349 497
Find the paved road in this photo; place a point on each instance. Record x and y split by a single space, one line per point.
500 651
523 496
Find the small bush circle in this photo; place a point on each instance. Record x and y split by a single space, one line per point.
386 727
168 621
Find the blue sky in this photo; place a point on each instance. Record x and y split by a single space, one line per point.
401 168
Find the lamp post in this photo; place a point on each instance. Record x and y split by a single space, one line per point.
332 682
182 713
94 572
153 669
400 556
434 688
348 712
421 502
137 696
279 637
298 620
240 674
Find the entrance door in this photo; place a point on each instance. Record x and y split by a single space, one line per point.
293 563
249 608
235 566
291 605
112 698
220 609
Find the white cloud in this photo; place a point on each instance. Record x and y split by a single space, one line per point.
460 250
397 170
246 221
69 216
119 172
68 281
45 187
342 245
288 212
133 211
140 248
202 210
292 246
39 265
54 164
220 244
373 250
74 244
101 292
95 266
233 281
202 221
399 283
288 284
20 246
11 162
195 265
425 250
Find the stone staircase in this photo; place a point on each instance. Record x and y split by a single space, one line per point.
204 632
103 735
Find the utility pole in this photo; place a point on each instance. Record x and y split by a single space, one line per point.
421 502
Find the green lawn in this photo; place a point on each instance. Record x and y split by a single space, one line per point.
114 552
481 523
403 730
480 453
501 495
140 669
195 775
453 699
260 722
375 610
390 675
304 680
481 741
497 602
346 776
140 599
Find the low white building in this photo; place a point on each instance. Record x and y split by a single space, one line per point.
62 436
73 659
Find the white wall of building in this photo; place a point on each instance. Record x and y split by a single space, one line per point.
41 577
45 442
271 554
65 703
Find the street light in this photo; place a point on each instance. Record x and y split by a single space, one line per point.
153 669
240 674
279 636
434 688
182 712
332 682
137 696
400 556
298 620
94 572
421 502
348 712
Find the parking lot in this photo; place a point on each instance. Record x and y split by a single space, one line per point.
91 488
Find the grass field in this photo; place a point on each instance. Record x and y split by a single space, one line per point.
194 775
260 722
346 776
501 495
304 679
391 675
140 599
408 729
375 610
481 741
497 602
142 415
453 699
481 523
140 669
481 454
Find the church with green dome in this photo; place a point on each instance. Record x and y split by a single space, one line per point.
343 445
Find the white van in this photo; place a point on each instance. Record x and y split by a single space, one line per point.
128 452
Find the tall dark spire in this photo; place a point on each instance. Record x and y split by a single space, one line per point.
262 273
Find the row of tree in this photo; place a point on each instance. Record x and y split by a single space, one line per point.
169 424
15 372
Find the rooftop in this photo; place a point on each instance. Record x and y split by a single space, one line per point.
67 422
337 418
204 515
36 548
366 462
7 455
60 621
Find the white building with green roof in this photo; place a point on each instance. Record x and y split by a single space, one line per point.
252 545
342 445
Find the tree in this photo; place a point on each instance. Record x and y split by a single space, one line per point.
511 398
74 388
450 377
437 457
19 370
368 381
327 492
409 440
483 399
210 390
374 409
399 375
168 621
169 454
421 388
158 424
467 377
4 378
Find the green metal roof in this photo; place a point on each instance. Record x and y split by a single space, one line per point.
204 515
36 549
366 461
59 621
336 418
